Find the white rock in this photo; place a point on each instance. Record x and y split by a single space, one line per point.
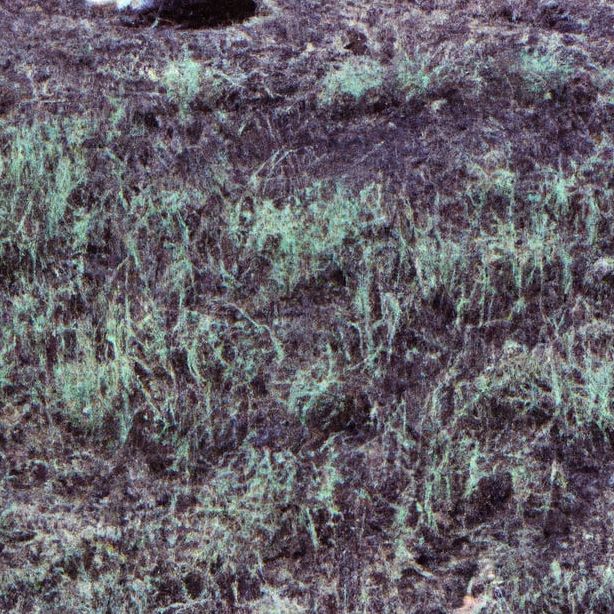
121 5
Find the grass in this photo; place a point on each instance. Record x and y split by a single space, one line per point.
418 73
372 378
307 236
182 81
354 78
137 345
42 168
544 74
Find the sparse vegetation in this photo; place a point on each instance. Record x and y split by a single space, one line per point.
312 326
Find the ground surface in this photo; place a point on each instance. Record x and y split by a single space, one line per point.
308 313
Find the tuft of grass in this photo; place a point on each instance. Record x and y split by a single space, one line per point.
543 73
416 74
44 167
307 235
315 392
354 78
182 80
94 391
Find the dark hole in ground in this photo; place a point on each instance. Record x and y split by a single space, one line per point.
200 13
